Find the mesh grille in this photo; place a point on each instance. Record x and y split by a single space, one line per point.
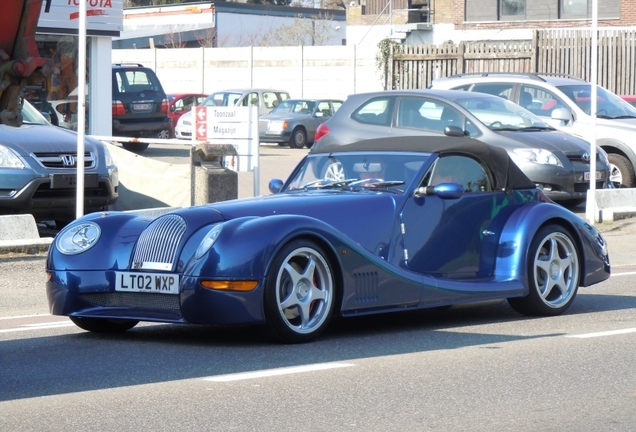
157 246
133 300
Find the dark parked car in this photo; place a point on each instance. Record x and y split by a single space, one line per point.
398 233
38 165
140 106
557 162
295 121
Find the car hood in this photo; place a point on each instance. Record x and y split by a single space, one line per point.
336 208
628 125
550 140
28 138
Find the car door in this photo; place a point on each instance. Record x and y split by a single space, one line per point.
453 238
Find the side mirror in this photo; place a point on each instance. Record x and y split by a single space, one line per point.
454 131
562 114
275 185
442 190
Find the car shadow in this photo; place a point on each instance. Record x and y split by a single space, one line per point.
153 353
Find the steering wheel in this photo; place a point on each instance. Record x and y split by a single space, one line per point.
496 124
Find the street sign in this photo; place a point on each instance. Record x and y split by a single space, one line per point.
237 126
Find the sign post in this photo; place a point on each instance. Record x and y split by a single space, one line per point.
237 126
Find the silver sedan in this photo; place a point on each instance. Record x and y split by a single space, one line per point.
295 121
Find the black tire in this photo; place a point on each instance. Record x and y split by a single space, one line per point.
104 325
553 273
299 293
135 147
298 138
621 171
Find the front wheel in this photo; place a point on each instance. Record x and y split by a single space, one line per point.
299 293
104 325
298 138
553 273
621 171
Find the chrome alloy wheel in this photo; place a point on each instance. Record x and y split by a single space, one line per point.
334 171
304 290
556 270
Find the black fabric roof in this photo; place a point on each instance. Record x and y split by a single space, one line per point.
504 172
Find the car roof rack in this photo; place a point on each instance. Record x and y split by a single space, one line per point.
533 75
128 64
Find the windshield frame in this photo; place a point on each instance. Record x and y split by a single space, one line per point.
313 169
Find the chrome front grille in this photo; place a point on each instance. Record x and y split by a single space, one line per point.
157 246
63 160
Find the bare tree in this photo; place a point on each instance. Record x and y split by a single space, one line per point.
173 39
303 31
207 37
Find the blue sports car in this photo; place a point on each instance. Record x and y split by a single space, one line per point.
376 226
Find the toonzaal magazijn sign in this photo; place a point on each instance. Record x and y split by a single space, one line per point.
230 125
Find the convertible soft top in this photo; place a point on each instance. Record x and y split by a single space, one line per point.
504 172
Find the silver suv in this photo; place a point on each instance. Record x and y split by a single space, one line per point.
564 102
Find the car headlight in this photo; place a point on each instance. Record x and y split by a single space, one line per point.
78 238
107 156
208 241
277 125
539 156
8 159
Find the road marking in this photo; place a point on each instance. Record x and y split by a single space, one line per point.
45 326
276 372
605 333
24 316
623 274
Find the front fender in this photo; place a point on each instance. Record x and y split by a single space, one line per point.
246 246
520 229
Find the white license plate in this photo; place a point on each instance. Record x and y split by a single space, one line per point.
586 175
157 283
142 106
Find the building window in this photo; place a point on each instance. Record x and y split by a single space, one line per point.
574 9
513 9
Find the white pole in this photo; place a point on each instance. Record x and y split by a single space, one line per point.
590 207
81 108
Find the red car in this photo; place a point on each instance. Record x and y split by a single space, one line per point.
631 99
181 103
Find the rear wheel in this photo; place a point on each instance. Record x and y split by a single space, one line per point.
298 138
621 171
135 147
104 325
553 273
299 293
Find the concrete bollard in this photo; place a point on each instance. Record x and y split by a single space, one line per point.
210 180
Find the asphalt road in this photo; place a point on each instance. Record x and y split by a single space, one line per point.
480 368
477 368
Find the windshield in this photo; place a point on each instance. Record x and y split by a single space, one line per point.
608 105
500 114
357 171
30 115
222 99
295 106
